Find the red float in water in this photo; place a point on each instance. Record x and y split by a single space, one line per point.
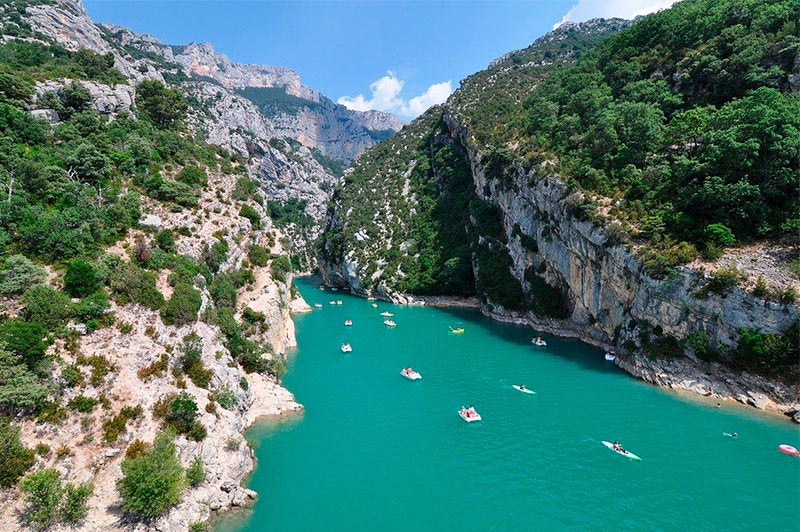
788 449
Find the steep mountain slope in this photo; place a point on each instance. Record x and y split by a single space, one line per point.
570 183
295 139
146 289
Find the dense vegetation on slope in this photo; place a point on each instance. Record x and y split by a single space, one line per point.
70 188
682 131
688 116
427 252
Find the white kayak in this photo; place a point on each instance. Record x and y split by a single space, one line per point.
469 415
626 454
387 314
523 390
318 305
413 375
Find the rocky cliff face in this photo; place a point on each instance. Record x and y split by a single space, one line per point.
321 134
528 242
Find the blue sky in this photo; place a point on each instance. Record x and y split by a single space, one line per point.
394 56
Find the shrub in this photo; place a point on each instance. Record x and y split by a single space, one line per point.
719 234
215 255
93 310
45 305
280 268
191 361
226 398
131 284
723 280
83 404
20 273
100 367
164 107
24 338
785 294
183 306
196 473
183 412
193 176
156 369
20 388
136 448
118 424
251 214
43 495
259 256
72 376
166 241
80 279
151 483
761 289
197 526
75 505
15 458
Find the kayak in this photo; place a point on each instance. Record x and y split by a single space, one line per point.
318 305
459 330
516 387
412 375
729 435
626 454
788 449
469 415
387 314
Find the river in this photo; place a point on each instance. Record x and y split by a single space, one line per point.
376 452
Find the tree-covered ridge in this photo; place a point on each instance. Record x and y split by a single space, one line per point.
691 118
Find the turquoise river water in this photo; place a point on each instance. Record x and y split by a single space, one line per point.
376 452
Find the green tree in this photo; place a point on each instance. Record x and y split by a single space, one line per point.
163 106
24 338
196 472
76 502
45 305
43 492
152 483
183 412
20 388
80 279
20 273
183 306
15 458
193 176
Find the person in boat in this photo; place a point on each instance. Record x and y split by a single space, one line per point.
734 435
522 387
618 447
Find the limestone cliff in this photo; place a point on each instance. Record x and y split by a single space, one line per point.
527 246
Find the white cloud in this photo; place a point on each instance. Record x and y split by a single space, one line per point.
589 9
436 93
386 97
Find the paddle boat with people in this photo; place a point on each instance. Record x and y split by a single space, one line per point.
538 342
469 414
317 305
617 448
347 348
610 356
457 330
788 449
338 301
410 374
348 323
374 305
389 323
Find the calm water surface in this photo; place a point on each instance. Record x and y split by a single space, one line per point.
377 452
